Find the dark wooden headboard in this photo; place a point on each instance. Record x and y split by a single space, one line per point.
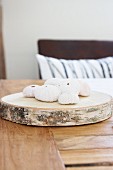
75 49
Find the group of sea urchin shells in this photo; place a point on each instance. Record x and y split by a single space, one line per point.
65 91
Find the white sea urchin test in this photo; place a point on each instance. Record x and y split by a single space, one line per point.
29 91
47 93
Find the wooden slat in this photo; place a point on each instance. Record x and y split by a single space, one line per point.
25 147
87 156
93 136
85 142
101 128
92 168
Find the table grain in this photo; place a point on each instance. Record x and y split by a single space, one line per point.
22 147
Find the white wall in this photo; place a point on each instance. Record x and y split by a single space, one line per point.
25 21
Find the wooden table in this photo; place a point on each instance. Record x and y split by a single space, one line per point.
88 147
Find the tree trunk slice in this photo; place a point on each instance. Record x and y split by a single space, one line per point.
95 108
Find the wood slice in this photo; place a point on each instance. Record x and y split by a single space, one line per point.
95 108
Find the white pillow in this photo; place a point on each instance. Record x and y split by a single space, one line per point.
84 68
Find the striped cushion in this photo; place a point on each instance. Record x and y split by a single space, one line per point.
83 68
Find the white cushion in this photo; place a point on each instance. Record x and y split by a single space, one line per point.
83 68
